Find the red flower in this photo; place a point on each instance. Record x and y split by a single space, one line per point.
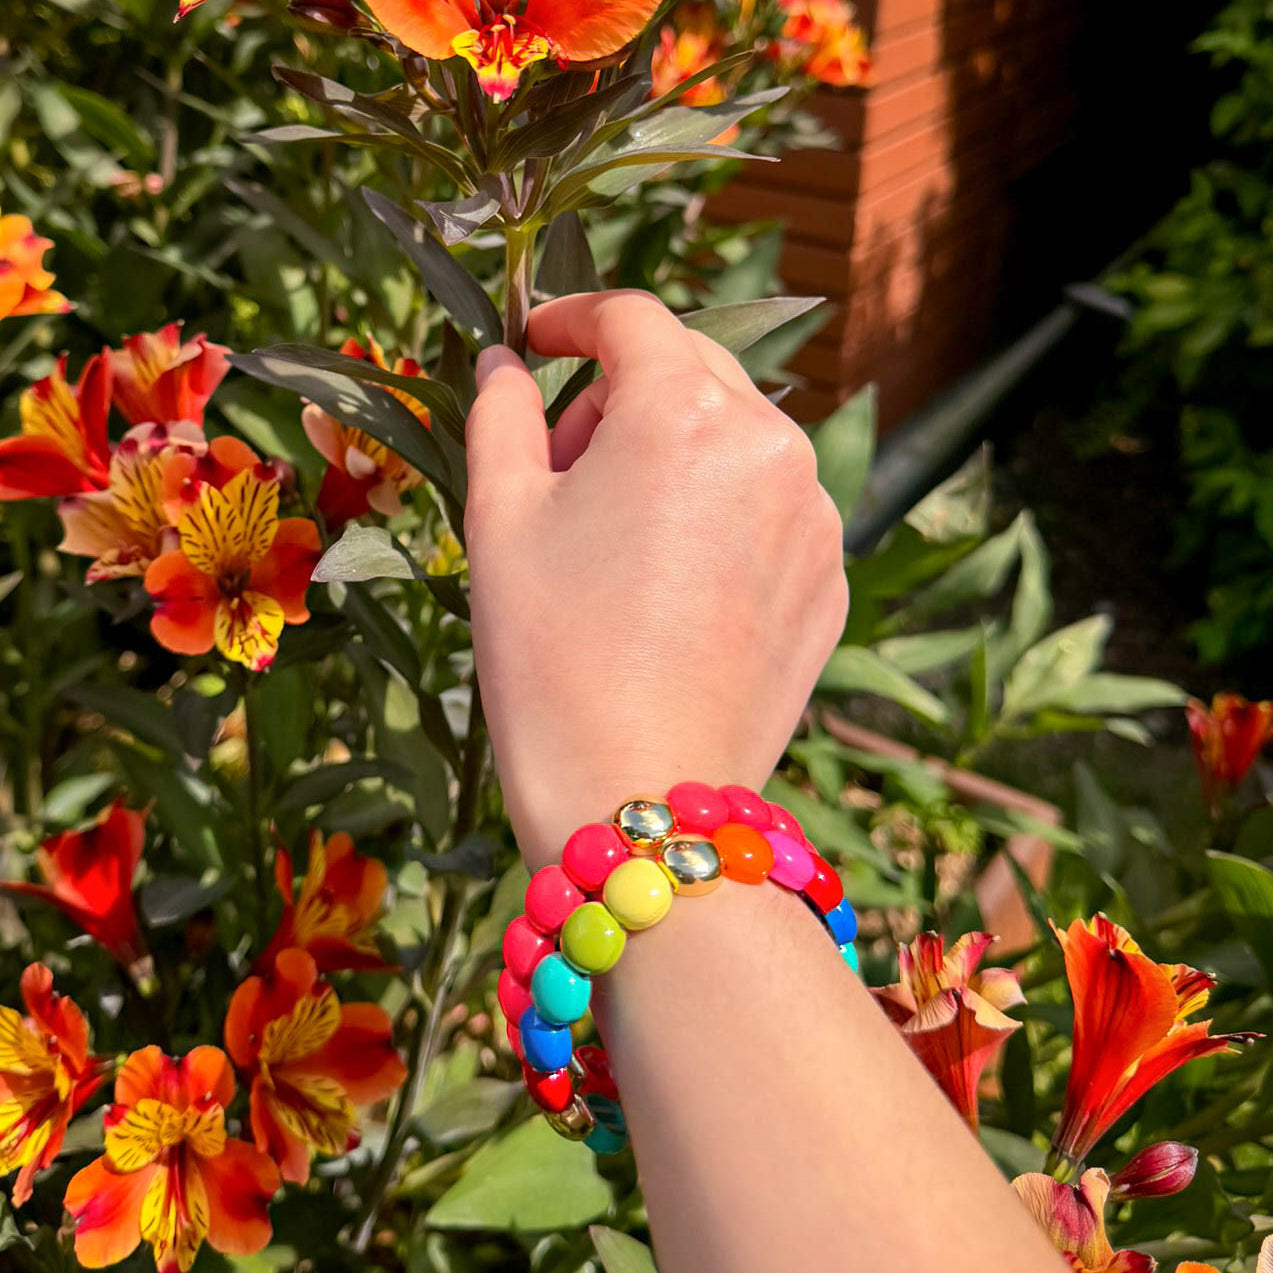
500 38
1074 1220
160 379
46 1075
1227 739
26 287
63 448
341 896
1158 1171
1130 1030
89 878
952 1016
310 1059
170 1174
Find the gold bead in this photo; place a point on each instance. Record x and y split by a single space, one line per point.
693 863
575 1122
645 822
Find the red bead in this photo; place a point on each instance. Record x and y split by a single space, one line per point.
697 807
598 1080
513 997
748 807
515 1041
552 1092
551 899
592 853
523 949
785 821
825 890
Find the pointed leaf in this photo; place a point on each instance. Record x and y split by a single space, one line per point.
620 1253
739 326
566 266
853 669
1245 890
363 553
1055 664
456 219
845 444
1111 693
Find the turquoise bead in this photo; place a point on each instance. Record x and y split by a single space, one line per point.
601 1140
607 1112
559 993
849 951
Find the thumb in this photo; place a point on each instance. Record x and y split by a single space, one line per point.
506 435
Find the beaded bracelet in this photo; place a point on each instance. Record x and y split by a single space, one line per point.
621 876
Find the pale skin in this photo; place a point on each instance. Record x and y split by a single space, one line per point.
656 584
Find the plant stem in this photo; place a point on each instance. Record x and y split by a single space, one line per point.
519 259
256 806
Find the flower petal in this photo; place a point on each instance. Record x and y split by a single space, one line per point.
106 1205
284 573
427 26
582 30
186 602
240 1182
360 1055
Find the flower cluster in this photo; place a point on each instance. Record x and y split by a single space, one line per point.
822 40
26 287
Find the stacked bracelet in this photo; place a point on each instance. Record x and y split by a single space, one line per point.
619 877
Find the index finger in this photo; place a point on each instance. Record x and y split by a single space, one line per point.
631 333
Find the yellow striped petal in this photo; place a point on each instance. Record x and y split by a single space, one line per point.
22 1051
304 1030
247 629
228 530
174 1217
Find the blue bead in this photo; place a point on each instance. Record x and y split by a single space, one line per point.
548 1047
850 953
559 993
601 1140
842 922
607 1113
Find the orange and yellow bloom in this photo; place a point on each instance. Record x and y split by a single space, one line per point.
821 39
951 1015
1130 1029
1227 737
501 38
26 287
162 379
1073 1217
46 1075
310 1060
171 1176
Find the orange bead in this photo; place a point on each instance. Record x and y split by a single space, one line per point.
745 854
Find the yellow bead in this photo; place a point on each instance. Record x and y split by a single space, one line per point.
638 893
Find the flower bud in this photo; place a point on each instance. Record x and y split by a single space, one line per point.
326 14
1155 1172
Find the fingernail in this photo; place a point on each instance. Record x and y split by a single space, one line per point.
491 358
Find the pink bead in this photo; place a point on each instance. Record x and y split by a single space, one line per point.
515 1040
592 853
513 997
747 806
698 807
523 949
785 821
551 899
793 866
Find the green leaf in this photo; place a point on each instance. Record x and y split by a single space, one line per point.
1013 1154
566 265
845 444
530 1181
738 327
141 714
322 785
471 1109
168 899
1108 693
853 669
107 123
620 1253
69 801
365 552
1056 664
833 830
552 134
1245 890
456 219
928 651
455 289
959 507
1031 604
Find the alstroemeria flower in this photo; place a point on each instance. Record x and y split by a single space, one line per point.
63 448
1130 1030
161 379
333 920
89 878
691 43
1227 738
26 287
363 474
1158 1171
310 1060
1074 1220
240 574
500 38
821 38
170 1175
46 1075
125 527
951 1015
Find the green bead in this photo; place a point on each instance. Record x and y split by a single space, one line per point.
601 1140
559 993
592 939
849 951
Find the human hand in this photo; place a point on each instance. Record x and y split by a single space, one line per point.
656 584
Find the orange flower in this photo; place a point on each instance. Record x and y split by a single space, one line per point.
1074 1220
89 878
951 1015
341 896
821 39
241 573
692 43
310 1060
159 379
63 448
26 287
362 474
170 1174
1227 739
1130 1030
500 38
46 1075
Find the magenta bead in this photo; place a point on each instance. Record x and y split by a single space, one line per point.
515 1041
697 807
748 807
551 899
785 821
592 853
793 866
513 997
523 949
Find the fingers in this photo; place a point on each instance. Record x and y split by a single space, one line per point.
506 433
578 422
